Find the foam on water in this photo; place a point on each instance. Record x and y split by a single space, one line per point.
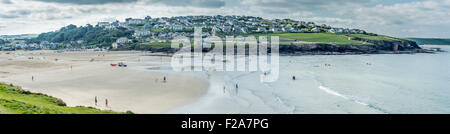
328 90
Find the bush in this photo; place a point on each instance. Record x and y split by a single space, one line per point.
129 112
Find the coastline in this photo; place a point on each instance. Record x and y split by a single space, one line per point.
88 79
125 88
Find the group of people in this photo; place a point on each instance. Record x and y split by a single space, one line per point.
236 88
164 79
106 101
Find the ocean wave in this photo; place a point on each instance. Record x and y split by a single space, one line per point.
352 98
335 93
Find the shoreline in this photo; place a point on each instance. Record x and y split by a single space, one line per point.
125 88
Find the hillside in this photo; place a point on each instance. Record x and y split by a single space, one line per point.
155 34
14 100
83 36
318 43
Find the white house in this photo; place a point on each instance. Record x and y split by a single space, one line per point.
123 24
261 29
227 29
332 30
315 30
177 27
103 24
123 40
142 33
304 30
135 21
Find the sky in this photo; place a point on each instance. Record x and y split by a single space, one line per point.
399 18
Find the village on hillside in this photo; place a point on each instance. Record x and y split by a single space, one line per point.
164 29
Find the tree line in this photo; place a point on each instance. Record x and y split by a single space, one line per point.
84 36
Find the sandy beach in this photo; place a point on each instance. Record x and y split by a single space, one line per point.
77 77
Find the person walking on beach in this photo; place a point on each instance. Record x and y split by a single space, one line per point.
106 102
164 79
95 100
224 89
32 78
237 88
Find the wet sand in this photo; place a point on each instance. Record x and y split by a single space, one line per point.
77 79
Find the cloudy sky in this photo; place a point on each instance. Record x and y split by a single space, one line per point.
400 18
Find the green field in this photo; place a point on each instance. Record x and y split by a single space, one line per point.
330 38
14 100
373 37
288 38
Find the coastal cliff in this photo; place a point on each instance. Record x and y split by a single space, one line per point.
373 47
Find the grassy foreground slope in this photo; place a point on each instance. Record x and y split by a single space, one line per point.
14 100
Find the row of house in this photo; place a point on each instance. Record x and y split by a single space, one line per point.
31 46
165 28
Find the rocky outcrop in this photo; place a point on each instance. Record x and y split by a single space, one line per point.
381 46
402 45
372 47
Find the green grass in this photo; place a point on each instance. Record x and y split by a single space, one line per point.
156 44
153 46
14 100
288 38
338 39
374 37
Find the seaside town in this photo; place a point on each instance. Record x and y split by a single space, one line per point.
164 29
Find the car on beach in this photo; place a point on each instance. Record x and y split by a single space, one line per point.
121 64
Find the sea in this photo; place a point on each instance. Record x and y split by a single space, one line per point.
332 84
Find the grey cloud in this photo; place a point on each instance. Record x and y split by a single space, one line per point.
8 16
305 9
58 17
6 1
193 3
305 4
187 3
15 14
20 12
88 2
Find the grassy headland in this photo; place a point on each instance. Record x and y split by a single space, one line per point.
339 39
287 39
14 100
